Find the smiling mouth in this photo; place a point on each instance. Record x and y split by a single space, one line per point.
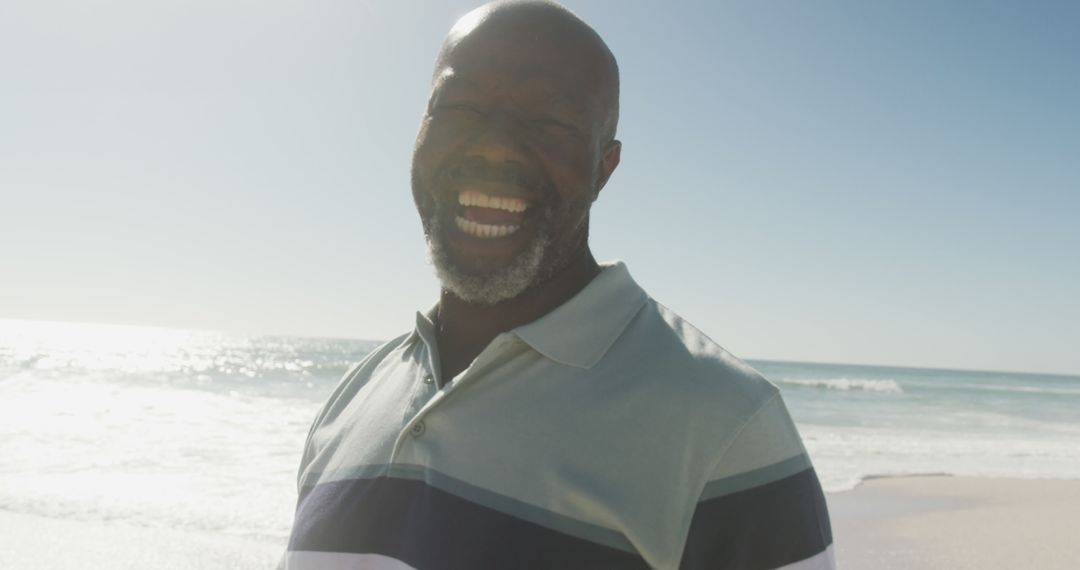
488 216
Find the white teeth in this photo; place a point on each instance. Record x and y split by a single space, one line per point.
479 199
487 231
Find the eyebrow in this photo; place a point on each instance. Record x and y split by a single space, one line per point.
449 77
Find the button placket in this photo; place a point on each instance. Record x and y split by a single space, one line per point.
416 426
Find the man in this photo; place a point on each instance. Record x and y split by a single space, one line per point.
546 413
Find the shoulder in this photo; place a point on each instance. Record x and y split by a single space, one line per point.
360 371
359 374
677 356
347 387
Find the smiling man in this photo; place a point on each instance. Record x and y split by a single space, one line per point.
546 413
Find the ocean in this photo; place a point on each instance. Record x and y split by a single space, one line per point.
199 430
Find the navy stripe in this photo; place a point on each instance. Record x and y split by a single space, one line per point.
760 528
429 529
486 498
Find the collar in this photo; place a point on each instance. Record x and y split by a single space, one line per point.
425 327
580 331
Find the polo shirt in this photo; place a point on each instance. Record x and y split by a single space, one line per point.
609 433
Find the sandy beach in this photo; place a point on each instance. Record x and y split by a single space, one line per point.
957 523
885 524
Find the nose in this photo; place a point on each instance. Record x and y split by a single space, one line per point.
499 140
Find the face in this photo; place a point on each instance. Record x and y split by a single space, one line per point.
510 155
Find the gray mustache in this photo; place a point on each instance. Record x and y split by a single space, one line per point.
483 170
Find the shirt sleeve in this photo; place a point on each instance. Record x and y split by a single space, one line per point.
762 507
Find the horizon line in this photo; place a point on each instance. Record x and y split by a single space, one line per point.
334 337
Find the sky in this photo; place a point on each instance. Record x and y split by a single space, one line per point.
891 182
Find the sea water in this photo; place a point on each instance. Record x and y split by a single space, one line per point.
865 421
203 431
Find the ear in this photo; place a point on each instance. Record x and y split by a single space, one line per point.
608 162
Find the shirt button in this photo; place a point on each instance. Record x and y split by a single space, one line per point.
418 429
428 379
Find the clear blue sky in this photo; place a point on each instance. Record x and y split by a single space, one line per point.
870 182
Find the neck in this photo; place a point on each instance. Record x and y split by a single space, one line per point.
464 329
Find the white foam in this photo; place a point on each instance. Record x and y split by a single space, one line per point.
847 384
846 455
153 456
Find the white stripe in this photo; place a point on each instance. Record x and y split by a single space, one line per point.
312 560
823 560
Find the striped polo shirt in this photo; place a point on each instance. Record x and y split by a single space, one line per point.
608 434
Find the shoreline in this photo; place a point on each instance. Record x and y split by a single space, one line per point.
36 542
926 521
948 522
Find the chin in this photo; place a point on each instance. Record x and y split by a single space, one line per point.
482 286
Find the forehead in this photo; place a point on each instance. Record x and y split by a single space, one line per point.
545 62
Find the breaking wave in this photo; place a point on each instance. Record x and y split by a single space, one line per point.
848 384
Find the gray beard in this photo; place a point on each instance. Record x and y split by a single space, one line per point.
501 284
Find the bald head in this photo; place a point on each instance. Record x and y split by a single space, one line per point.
541 24
514 147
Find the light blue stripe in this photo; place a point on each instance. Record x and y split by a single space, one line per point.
756 477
